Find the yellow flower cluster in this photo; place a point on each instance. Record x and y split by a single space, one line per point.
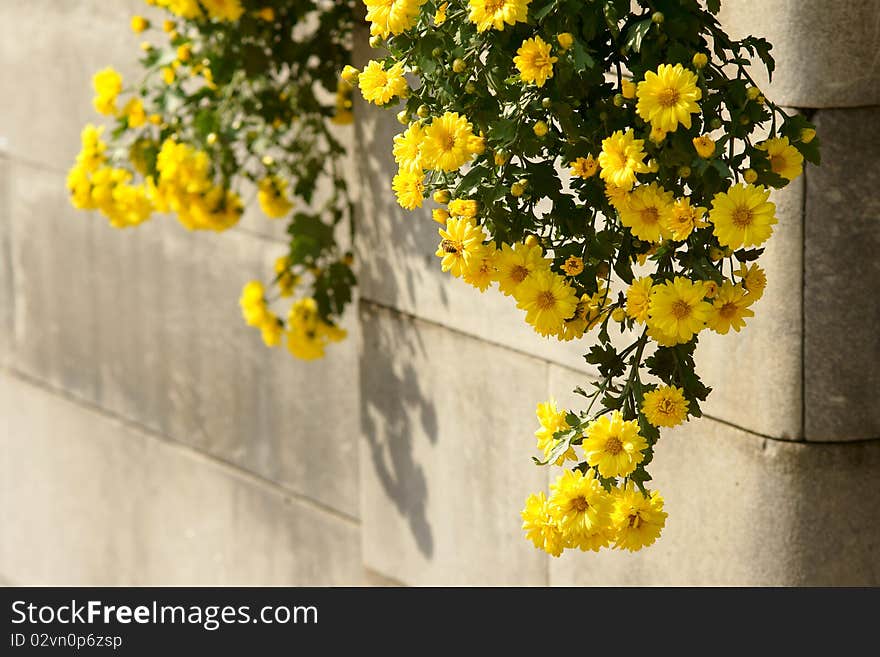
675 311
521 271
447 143
108 85
94 185
581 514
307 334
272 197
185 187
256 313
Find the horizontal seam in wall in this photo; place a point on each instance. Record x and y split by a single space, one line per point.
231 468
403 313
457 331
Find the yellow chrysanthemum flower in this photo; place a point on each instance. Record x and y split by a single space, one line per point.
533 61
448 142
637 520
665 406
271 332
224 10
308 334
785 159
139 24
548 301
753 279
730 309
621 159
379 86
614 445
552 420
461 241
495 14
273 199
638 298
647 211
392 16
705 146
677 309
253 303
617 196
134 112
683 219
517 264
480 270
581 509
668 97
408 148
409 186
540 527
743 216
584 167
440 14
462 207
588 313
573 266
108 85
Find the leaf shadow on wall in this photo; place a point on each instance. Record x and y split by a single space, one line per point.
394 413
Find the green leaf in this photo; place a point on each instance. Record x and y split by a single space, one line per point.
636 34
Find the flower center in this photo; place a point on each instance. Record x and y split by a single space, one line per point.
777 163
451 246
546 300
650 215
519 273
681 309
742 217
613 445
669 97
728 310
541 61
494 6
666 407
634 521
580 504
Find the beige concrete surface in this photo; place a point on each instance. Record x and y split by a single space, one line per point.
446 427
826 50
88 500
145 323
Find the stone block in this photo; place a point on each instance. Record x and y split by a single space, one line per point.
446 432
50 50
826 52
88 501
145 324
841 307
747 510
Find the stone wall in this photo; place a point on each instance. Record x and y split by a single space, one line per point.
150 438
